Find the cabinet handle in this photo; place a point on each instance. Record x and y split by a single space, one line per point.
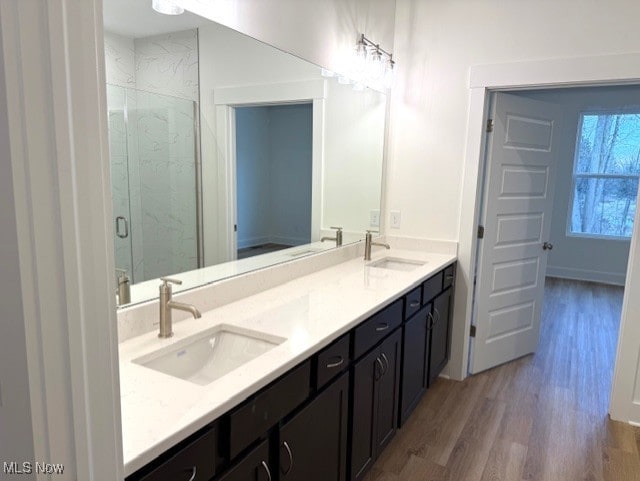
450 277
381 368
336 364
414 304
266 468
437 316
430 322
386 361
194 471
382 327
286 446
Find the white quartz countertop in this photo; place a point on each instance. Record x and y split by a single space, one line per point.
159 410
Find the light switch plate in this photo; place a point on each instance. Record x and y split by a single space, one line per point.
374 220
395 219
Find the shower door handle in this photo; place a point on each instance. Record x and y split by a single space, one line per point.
122 220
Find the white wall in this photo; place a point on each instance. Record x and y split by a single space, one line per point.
320 31
591 259
16 437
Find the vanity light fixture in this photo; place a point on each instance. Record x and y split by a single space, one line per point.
367 65
167 7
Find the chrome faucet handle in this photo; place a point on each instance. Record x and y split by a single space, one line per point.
167 280
338 228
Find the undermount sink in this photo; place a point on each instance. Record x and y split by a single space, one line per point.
205 357
396 264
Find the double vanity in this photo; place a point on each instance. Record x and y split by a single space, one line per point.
308 380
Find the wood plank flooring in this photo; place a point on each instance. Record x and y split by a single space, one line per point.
540 418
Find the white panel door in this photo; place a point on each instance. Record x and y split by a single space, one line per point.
512 256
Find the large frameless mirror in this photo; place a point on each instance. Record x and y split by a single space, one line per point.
228 155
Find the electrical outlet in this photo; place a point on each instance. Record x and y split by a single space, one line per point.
374 220
395 219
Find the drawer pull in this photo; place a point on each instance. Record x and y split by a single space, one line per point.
386 361
340 362
414 304
449 277
382 327
266 468
194 471
286 446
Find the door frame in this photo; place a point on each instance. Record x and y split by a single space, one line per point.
226 100
622 69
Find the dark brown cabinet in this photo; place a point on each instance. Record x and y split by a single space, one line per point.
439 323
375 403
415 362
313 444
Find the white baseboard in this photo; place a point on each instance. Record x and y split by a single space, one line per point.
614 278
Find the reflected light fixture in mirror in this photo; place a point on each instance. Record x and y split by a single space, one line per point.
167 7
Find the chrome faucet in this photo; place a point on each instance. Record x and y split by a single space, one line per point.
337 238
368 243
166 305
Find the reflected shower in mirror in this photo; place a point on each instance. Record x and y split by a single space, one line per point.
229 155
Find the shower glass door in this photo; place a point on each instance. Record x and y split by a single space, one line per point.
154 174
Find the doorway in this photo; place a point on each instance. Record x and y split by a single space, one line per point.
588 233
274 150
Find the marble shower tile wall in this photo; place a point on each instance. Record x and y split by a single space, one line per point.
168 64
119 56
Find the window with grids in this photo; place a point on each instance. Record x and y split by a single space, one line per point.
605 175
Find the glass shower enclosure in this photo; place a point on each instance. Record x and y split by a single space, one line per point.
155 182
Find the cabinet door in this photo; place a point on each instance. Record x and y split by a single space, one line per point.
388 391
365 404
439 354
313 445
414 363
253 467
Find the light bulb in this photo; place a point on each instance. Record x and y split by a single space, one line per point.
167 7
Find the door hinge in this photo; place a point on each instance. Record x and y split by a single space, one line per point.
480 232
489 125
235 227
472 331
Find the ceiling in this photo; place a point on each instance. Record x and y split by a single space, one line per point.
136 18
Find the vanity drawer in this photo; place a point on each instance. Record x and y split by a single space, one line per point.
195 461
449 276
431 287
332 361
376 328
412 302
258 414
